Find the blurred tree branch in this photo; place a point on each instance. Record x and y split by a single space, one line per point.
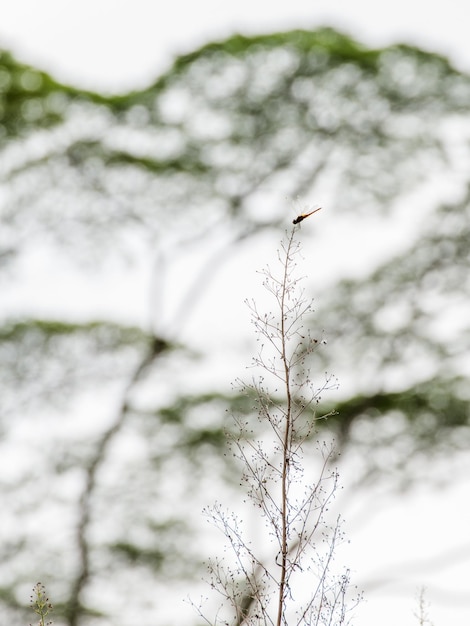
195 164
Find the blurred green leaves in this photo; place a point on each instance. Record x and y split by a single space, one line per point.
195 164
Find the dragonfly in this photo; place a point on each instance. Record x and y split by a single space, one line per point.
302 216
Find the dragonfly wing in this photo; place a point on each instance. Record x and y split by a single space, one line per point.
302 216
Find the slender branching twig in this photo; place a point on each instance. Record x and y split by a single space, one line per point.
291 579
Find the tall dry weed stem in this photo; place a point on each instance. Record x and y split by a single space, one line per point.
422 614
287 576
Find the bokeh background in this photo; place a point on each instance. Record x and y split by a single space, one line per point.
152 158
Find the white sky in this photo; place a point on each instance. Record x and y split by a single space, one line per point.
116 45
123 44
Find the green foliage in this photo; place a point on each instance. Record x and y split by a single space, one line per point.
108 335
31 99
45 360
194 165
232 118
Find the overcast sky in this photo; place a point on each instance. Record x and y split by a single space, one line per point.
123 44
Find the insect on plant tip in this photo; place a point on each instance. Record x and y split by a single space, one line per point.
302 216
